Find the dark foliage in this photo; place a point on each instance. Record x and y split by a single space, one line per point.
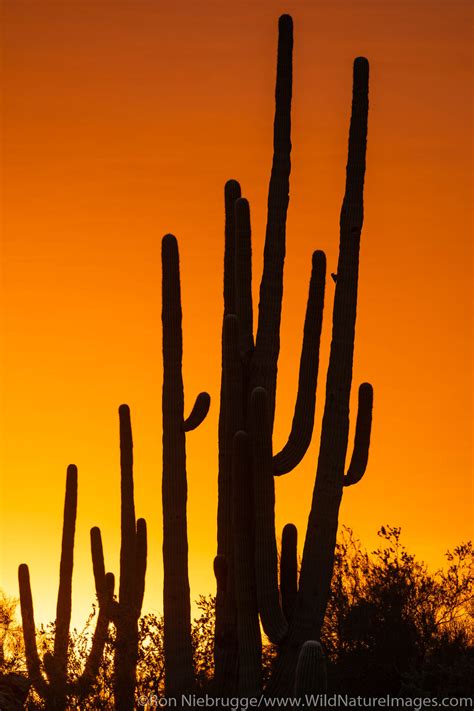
393 627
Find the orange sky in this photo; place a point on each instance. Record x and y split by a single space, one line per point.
122 121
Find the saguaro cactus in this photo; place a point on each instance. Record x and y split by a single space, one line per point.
55 688
248 400
320 541
179 671
125 612
246 366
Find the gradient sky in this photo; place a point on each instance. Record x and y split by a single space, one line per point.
122 121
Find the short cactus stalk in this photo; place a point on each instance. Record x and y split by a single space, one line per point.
289 570
58 686
179 669
311 675
126 610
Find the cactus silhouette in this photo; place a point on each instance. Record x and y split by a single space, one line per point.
293 614
55 688
249 364
179 671
125 611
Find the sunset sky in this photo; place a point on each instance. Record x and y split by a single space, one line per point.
122 121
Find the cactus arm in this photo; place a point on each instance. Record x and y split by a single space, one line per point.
266 558
248 627
303 420
198 413
29 632
243 278
98 565
360 453
311 676
102 579
264 361
232 193
63 609
140 564
289 570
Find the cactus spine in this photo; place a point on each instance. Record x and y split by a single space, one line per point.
179 669
55 689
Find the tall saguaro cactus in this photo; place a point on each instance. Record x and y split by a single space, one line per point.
55 688
249 364
179 670
320 541
292 614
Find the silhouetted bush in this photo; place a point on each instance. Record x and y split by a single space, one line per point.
393 627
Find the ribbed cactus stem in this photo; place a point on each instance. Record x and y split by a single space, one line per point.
267 346
243 278
126 651
141 552
248 627
266 558
232 193
318 553
64 604
289 570
303 420
98 564
125 611
29 632
360 453
231 420
179 671
311 675
225 638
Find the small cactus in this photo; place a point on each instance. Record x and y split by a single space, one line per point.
311 676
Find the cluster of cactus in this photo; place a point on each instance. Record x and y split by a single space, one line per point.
252 589
247 562
124 612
